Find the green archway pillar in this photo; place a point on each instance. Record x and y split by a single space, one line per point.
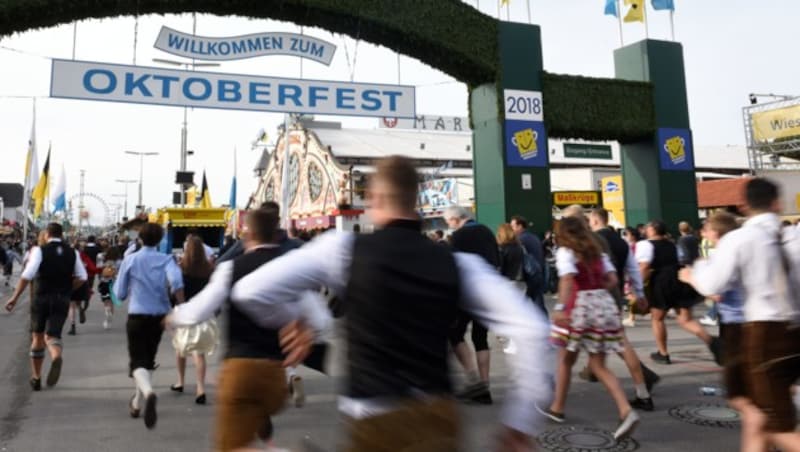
658 175
510 152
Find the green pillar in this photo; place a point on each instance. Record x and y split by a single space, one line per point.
658 175
511 179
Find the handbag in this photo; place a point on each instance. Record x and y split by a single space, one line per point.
116 301
202 338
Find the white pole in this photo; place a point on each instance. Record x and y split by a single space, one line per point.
74 37
646 26
619 16
398 69
672 23
530 19
498 11
508 11
26 200
135 38
285 195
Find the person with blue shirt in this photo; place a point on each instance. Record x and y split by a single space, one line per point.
145 280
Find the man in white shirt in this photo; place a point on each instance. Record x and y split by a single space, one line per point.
398 312
765 259
58 270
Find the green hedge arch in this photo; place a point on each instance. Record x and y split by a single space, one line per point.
446 34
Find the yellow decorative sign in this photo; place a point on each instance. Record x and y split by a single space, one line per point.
568 198
613 199
774 124
525 141
676 148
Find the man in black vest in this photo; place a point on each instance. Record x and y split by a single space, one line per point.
58 270
474 238
401 293
253 385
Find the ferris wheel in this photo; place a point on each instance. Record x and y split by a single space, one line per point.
95 211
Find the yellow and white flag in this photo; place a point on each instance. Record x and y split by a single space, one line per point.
636 11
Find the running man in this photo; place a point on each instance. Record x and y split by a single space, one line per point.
399 309
57 269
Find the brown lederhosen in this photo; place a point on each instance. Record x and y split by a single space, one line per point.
250 392
772 366
415 426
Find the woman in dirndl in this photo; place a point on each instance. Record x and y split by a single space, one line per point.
587 318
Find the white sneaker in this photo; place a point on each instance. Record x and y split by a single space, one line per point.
510 348
627 426
630 323
708 321
106 324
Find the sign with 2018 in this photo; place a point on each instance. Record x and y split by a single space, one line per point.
157 86
525 137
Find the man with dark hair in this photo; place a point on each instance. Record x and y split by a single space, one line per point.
533 247
440 237
764 258
282 237
399 309
253 382
659 264
58 270
145 279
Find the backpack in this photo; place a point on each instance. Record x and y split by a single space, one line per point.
533 271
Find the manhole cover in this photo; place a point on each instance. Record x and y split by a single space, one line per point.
584 439
706 414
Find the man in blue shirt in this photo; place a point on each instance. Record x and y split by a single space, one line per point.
533 247
146 279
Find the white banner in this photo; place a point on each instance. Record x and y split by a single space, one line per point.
246 46
523 105
157 86
434 123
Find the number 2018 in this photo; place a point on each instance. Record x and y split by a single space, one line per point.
524 105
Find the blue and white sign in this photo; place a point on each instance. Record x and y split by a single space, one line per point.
525 136
675 149
246 46
157 86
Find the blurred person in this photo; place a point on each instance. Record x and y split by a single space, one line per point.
587 318
533 247
57 270
764 259
398 312
196 270
80 296
632 237
469 236
146 279
511 265
659 264
111 262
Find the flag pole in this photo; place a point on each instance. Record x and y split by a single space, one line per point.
74 37
508 11
646 26
530 20
672 23
619 16
498 11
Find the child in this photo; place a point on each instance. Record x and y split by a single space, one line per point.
109 263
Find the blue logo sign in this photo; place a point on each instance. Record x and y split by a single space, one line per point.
675 149
526 143
611 187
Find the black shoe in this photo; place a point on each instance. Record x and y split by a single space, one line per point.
134 412
36 384
476 393
150 416
586 374
650 378
176 388
716 349
82 315
200 400
55 372
71 331
643 404
659 358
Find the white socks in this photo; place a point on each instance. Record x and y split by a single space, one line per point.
641 391
142 377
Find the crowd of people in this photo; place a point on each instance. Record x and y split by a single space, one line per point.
409 300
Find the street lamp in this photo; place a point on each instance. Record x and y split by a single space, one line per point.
141 155
126 182
119 206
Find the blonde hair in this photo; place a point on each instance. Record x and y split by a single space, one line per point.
722 223
505 235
